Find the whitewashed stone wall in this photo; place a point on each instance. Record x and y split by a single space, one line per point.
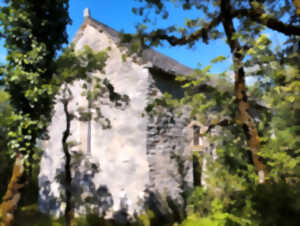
141 162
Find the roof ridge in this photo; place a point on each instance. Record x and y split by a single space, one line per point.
158 60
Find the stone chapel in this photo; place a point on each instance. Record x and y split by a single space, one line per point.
141 161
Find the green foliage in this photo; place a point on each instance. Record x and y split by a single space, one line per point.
81 66
33 32
134 43
7 126
282 142
73 66
146 218
232 185
30 216
5 123
232 195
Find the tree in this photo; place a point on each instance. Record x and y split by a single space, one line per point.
5 123
297 6
33 33
251 17
71 67
233 195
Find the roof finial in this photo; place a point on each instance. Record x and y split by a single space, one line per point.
86 13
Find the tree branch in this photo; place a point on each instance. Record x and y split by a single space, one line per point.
161 34
270 22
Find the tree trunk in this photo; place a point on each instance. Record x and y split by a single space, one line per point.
13 194
297 6
240 92
69 215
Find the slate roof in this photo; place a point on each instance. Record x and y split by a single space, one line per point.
158 60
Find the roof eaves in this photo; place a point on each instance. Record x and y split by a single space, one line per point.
156 59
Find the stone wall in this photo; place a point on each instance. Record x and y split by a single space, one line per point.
169 154
141 162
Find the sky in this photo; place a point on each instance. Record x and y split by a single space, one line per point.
118 15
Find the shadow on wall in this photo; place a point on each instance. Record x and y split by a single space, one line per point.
165 211
48 202
86 197
93 203
90 201
166 83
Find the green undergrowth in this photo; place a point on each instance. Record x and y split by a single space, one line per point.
30 216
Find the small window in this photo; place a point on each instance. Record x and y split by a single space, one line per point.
196 133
